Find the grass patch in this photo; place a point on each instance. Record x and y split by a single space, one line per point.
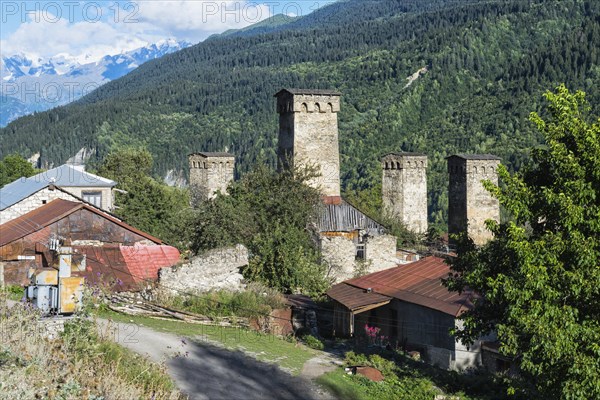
14 292
257 300
36 363
288 354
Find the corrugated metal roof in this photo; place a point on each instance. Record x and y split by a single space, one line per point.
355 298
344 217
125 267
144 262
419 283
324 92
475 156
64 176
47 214
106 267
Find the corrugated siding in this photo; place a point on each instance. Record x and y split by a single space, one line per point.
346 218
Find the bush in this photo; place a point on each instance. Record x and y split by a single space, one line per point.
257 300
313 342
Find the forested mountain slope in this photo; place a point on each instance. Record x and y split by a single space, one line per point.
487 65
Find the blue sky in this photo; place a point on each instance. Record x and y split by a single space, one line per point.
88 30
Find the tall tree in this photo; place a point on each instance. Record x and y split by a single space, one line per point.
144 202
13 167
270 213
539 278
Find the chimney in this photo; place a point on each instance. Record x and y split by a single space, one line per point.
469 203
404 189
210 173
308 134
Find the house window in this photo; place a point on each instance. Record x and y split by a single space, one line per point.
94 198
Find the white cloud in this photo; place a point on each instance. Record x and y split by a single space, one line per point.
195 20
45 34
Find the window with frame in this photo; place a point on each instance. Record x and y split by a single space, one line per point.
94 198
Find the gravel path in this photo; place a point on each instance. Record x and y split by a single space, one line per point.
204 371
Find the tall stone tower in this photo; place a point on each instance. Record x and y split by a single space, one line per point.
209 174
404 189
469 203
308 134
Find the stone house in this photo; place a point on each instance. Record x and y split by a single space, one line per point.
104 248
412 308
66 182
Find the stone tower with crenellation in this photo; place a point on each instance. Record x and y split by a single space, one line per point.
209 173
308 134
469 203
404 189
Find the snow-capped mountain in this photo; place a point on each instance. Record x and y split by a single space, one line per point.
30 84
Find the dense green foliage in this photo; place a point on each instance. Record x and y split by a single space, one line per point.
147 204
410 380
540 276
269 213
13 167
488 65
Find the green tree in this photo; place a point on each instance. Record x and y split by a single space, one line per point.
13 167
539 278
270 213
146 203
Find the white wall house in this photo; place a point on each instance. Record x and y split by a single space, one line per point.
66 182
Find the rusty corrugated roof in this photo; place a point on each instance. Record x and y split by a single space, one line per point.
47 214
420 283
125 267
355 298
144 262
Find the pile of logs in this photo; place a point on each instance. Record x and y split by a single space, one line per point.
134 305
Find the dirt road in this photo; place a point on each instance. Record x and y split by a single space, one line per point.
205 371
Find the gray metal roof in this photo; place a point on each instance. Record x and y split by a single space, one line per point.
63 176
475 156
324 92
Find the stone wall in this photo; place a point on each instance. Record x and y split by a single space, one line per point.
216 269
381 252
339 254
308 135
469 203
107 195
33 202
210 173
404 189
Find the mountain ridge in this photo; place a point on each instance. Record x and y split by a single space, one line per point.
488 65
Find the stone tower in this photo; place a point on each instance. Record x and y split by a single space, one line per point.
469 203
308 134
209 174
404 189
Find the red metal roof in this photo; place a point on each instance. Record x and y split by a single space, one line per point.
419 283
47 214
122 268
355 298
144 262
